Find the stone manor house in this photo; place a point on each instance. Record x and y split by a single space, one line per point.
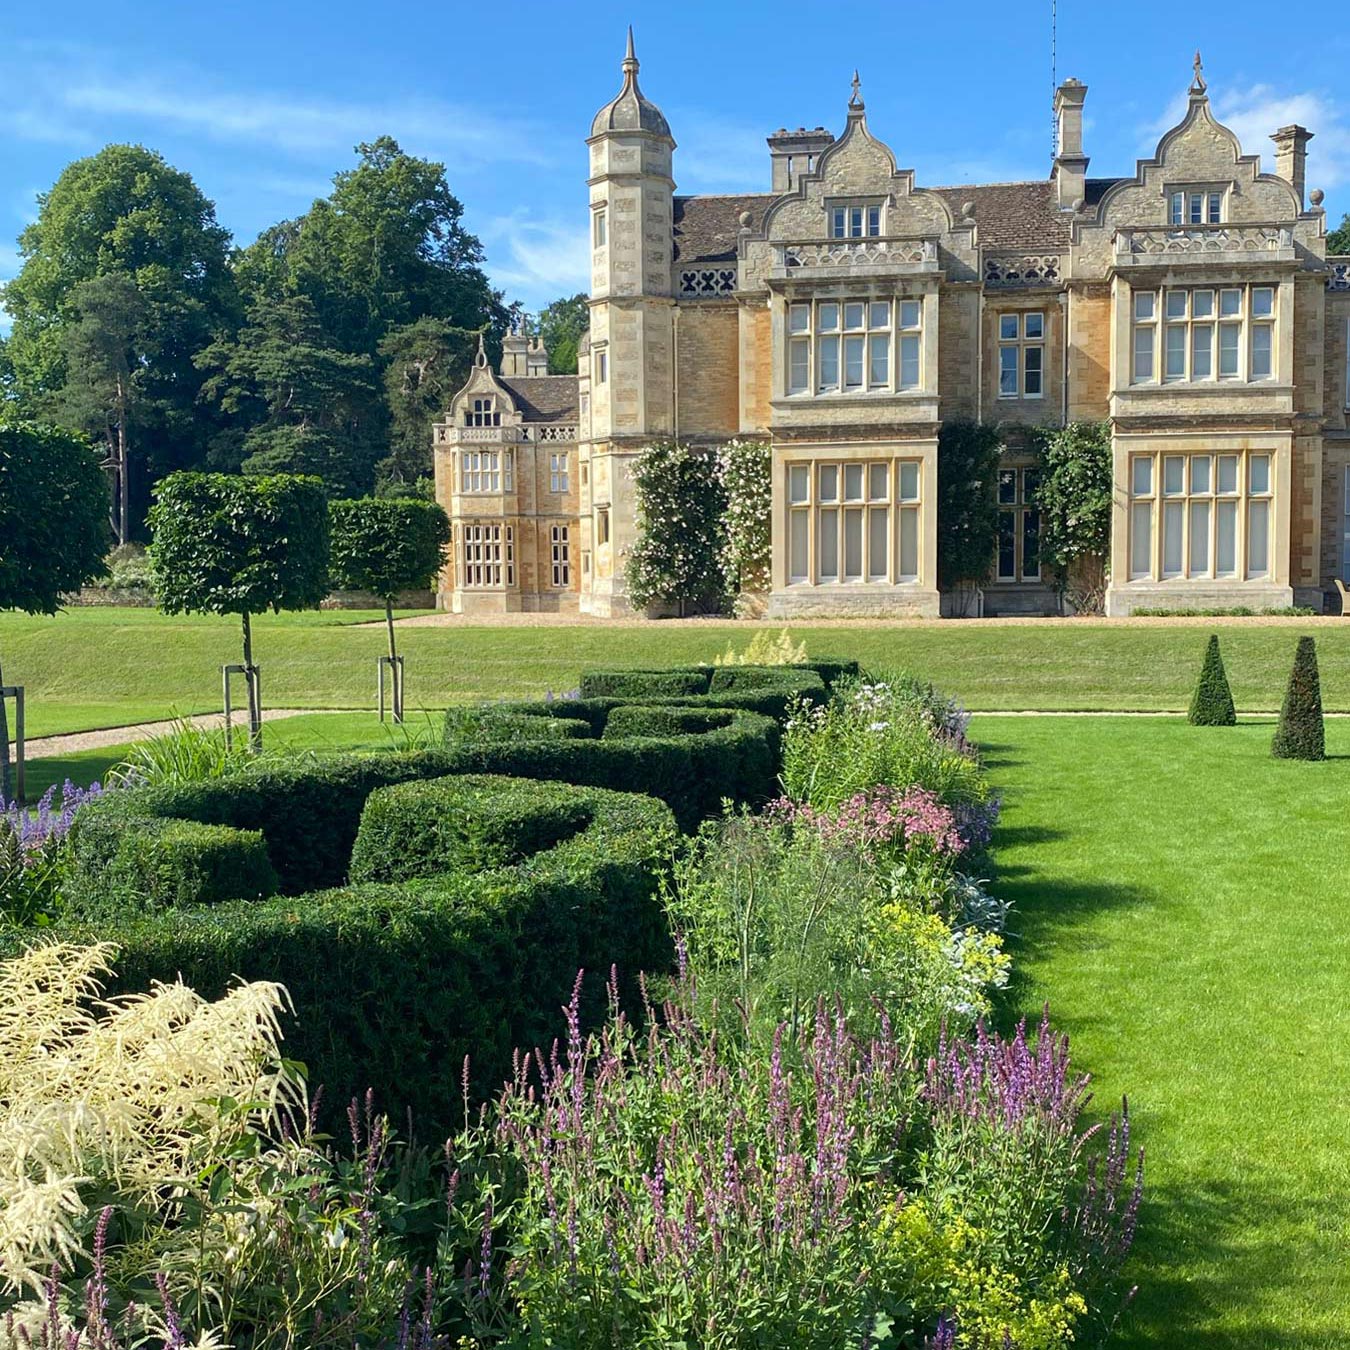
847 312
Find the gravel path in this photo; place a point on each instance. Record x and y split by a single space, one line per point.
50 747
546 620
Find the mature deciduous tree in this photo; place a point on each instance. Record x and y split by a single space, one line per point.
125 212
53 527
386 247
224 544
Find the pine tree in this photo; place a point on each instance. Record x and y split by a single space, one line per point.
1301 734
1212 705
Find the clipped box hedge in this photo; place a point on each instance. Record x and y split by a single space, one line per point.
395 984
462 824
426 905
692 773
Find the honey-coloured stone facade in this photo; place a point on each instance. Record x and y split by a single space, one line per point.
848 312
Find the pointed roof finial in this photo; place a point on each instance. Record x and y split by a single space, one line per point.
855 99
630 61
1198 85
481 358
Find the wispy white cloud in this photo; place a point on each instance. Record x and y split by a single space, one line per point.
65 96
1255 111
537 260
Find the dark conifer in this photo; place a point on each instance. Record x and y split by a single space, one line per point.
1301 734
1212 705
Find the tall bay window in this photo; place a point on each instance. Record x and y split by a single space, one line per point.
1200 516
486 471
1019 525
1204 333
1021 355
854 346
487 555
854 521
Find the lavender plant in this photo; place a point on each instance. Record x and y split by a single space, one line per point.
32 855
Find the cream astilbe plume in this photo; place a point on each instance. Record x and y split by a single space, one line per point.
127 1095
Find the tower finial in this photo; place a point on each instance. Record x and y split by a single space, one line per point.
481 358
855 98
630 61
1198 85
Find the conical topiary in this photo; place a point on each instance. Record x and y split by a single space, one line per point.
1212 705
1301 734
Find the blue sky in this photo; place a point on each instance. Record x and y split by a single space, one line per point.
262 102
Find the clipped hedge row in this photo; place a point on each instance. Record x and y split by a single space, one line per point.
396 984
421 906
691 773
467 824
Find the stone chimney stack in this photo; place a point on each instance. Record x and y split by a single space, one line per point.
1291 157
536 359
515 352
793 153
1070 172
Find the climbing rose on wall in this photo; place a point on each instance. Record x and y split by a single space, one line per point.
745 469
676 559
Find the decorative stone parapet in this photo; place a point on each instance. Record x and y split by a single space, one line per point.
1203 242
706 283
1338 274
846 255
1021 269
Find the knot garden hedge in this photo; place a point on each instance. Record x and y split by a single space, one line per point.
430 906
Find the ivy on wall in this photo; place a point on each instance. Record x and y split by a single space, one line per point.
1075 502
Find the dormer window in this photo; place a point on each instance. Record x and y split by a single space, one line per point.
482 412
1195 207
855 221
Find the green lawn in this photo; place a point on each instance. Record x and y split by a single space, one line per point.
97 668
1182 906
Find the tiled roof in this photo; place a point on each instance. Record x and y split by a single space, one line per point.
1009 215
544 398
1012 215
706 227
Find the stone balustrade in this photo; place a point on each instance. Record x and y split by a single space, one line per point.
1021 269
1200 242
852 255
